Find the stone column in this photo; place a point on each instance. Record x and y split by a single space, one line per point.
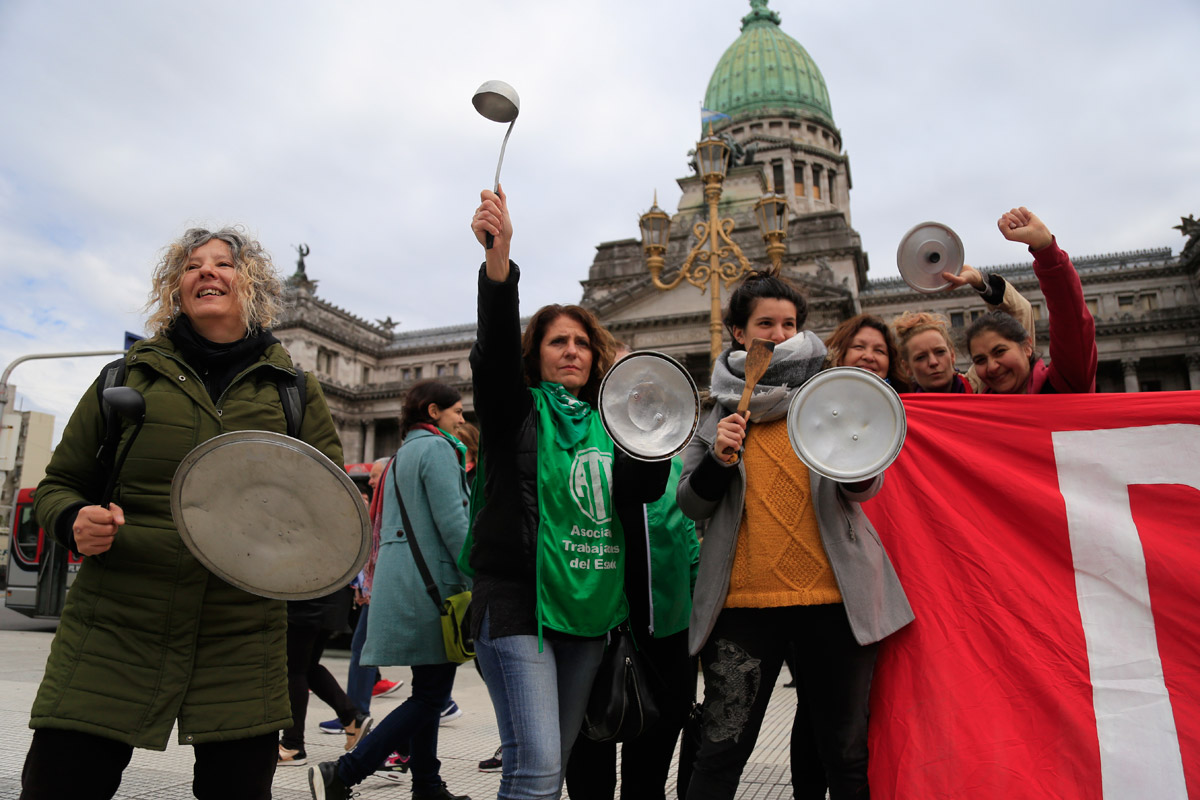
1193 365
1129 365
369 442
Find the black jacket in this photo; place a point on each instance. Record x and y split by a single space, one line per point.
504 554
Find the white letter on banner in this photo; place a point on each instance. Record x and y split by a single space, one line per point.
1139 746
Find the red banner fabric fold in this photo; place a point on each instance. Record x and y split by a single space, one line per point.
1049 547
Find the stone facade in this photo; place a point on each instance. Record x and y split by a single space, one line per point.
1146 304
365 367
782 140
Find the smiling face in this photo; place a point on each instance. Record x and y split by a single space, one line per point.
771 318
207 293
565 354
1001 363
449 418
930 359
867 350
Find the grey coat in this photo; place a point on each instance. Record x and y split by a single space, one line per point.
871 591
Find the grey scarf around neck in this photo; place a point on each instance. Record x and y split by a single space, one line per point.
792 363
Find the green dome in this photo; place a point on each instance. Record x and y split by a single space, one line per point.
766 73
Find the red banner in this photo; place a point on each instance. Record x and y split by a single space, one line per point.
1050 547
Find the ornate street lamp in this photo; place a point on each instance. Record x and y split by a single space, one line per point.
715 257
772 212
656 233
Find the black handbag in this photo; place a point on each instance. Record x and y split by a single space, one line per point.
621 706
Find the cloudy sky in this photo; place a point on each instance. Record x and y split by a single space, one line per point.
348 126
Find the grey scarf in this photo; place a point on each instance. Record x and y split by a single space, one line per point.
792 363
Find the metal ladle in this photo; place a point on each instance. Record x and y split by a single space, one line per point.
499 102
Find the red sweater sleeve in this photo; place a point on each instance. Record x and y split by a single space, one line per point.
1073 357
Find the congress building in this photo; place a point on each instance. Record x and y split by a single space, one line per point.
772 114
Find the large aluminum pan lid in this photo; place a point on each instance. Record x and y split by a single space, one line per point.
925 252
649 405
271 514
847 424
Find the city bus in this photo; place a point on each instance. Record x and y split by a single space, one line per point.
39 569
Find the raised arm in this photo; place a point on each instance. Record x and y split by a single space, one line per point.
492 217
497 372
1073 356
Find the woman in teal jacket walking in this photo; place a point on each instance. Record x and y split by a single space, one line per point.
404 628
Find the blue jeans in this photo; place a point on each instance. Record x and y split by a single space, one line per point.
411 727
360 681
539 700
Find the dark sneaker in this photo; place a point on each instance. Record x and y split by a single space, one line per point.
492 764
439 792
325 784
356 730
332 726
450 712
291 758
394 766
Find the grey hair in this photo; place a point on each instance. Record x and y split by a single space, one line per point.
258 289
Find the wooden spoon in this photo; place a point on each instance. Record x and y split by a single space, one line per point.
758 358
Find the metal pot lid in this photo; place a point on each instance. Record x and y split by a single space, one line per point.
925 252
649 405
847 424
271 514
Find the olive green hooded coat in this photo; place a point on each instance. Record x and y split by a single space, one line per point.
148 635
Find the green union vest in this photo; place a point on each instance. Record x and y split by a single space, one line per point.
581 547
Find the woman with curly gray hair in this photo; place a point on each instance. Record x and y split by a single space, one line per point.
149 637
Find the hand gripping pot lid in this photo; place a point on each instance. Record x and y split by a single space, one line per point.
271 514
925 252
847 424
649 405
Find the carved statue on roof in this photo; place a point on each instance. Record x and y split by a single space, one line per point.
299 279
388 324
303 250
1189 226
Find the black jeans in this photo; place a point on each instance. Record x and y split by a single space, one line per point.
741 662
83 766
305 644
645 761
411 727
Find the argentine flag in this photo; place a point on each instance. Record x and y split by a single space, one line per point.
707 116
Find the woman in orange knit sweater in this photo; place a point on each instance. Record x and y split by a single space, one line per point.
788 558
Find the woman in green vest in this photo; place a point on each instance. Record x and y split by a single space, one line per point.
547 549
149 637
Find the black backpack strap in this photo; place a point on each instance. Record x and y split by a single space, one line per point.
112 375
293 393
422 567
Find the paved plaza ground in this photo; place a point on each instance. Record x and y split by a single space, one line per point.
461 744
